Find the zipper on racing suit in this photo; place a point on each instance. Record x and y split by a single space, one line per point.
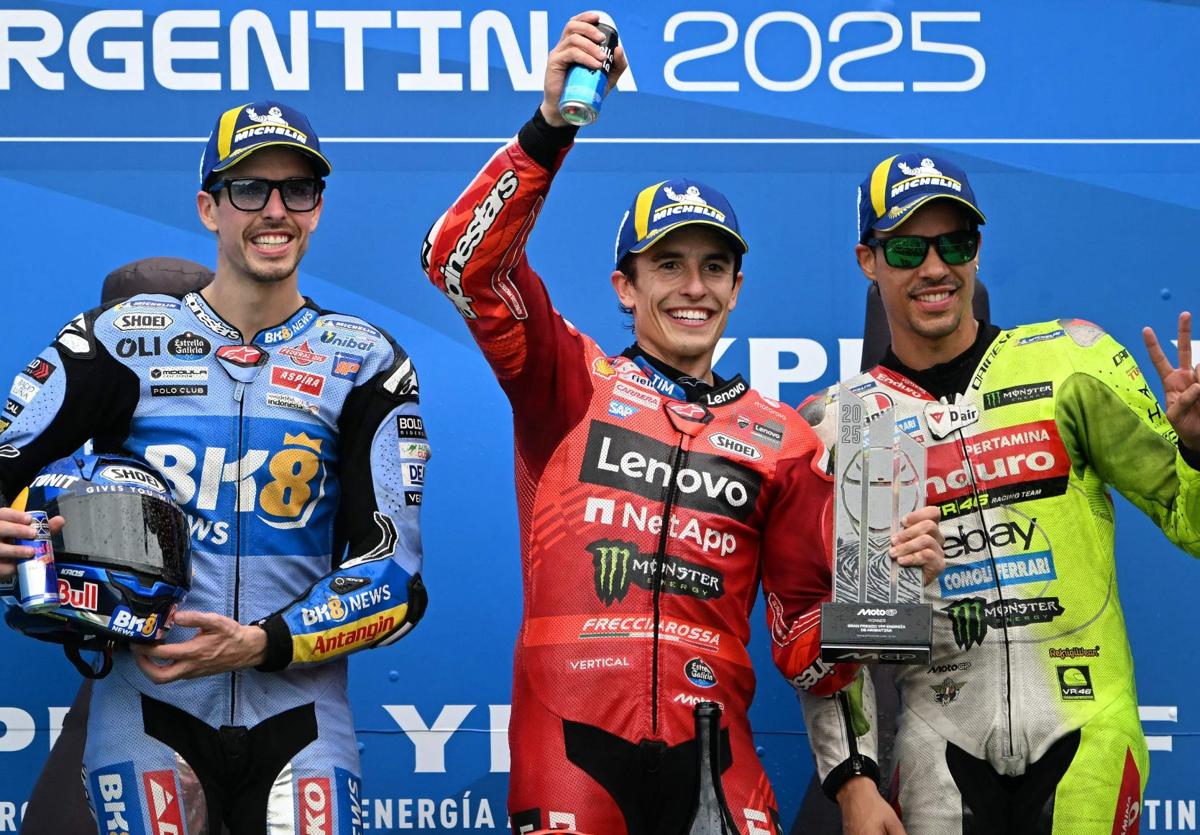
239 390
1008 729
660 555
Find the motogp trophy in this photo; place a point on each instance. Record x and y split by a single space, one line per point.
877 614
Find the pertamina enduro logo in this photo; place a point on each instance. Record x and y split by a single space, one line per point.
1017 463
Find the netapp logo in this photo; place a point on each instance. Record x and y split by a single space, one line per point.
616 457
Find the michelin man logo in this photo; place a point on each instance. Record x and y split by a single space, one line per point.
274 117
925 169
691 195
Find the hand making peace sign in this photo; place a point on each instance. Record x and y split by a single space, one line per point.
1181 386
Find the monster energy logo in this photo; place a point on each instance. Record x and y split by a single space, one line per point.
618 565
971 616
967 621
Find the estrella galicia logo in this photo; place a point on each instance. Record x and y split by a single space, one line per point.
699 673
967 621
618 565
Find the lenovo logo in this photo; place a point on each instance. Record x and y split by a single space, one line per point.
618 458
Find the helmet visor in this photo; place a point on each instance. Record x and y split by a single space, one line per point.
141 533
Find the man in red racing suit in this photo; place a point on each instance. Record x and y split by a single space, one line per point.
652 495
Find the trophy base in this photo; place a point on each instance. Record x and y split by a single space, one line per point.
876 633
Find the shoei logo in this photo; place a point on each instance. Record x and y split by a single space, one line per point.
143 322
737 447
130 475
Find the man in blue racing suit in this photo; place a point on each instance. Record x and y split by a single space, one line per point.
291 437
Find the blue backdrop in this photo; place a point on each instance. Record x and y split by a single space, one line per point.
1077 122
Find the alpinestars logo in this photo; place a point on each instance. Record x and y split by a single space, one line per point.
484 216
971 616
618 565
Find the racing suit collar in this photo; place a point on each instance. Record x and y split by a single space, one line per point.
951 377
694 389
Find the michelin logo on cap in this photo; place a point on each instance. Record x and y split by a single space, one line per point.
903 183
690 202
668 205
242 130
272 123
925 174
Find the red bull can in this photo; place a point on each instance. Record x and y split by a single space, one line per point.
584 89
36 576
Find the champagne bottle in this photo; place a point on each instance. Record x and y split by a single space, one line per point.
712 815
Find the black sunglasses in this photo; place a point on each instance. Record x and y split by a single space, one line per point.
250 194
906 252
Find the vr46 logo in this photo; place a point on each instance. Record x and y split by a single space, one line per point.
292 486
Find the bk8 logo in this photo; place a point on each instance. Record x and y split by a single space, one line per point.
283 486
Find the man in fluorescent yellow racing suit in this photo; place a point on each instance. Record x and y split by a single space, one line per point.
1026 719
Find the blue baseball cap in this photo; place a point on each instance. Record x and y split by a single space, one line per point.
901 184
665 206
242 130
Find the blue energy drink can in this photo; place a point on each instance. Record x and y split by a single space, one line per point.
584 89
36 576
